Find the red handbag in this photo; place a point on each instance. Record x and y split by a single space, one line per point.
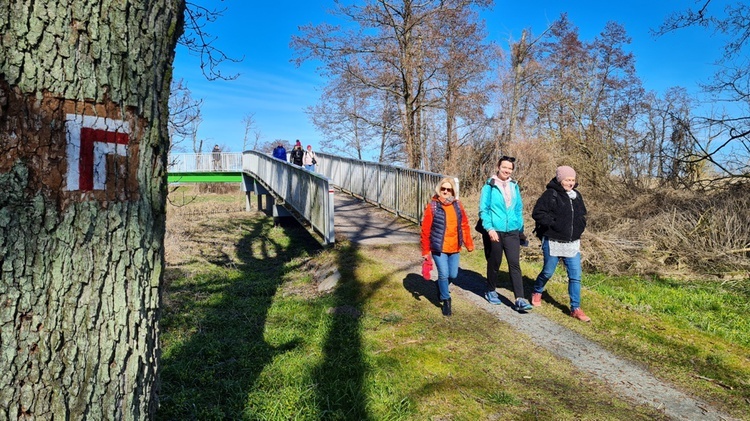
426 269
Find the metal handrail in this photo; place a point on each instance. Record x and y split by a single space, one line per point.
204 162
307 193
402 191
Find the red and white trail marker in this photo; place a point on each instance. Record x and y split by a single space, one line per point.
90 140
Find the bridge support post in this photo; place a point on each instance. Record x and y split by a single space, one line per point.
248 186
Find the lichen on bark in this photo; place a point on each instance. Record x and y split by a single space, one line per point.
80 272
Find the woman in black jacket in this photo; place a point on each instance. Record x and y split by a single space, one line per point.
297 154
560 217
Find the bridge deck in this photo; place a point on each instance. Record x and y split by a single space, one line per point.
363 223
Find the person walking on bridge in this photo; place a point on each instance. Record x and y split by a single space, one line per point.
500 211
310 160
279 152
445 229
296 156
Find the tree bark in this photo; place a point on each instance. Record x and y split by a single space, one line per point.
84 87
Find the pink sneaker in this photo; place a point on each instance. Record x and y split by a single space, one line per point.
536 299
580 315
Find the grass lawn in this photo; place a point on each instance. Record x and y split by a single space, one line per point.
245 334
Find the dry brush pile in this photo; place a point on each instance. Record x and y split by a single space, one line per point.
671 232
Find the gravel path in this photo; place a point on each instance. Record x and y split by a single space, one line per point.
626 378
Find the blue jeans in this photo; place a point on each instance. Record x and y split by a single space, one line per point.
310 168
572 266
447 267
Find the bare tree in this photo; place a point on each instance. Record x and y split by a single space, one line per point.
658 153
197 40
590 97
341 117
84 139
729 84
462 83
362 120
250 126
184 114
394 48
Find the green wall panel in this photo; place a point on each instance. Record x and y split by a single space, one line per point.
222 177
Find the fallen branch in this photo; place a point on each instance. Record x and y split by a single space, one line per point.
714 381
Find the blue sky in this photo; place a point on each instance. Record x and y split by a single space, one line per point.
277 92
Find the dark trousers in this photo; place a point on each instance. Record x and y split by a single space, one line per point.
509 244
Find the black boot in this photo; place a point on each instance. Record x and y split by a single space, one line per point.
447 307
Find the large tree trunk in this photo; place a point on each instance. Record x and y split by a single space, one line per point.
84 87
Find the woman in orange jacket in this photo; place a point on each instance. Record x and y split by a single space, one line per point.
445 229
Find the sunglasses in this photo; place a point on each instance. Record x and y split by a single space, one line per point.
446 189
507 158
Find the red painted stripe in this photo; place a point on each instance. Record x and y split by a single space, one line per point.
86 161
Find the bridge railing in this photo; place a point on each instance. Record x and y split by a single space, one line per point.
308 193
402 191
205 162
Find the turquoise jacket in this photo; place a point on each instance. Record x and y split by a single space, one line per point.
493 212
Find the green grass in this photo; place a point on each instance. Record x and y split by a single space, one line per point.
247 336
711 307
695 334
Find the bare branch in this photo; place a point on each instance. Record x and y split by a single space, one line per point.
197 40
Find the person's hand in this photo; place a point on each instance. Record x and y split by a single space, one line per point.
426 257
470 249
493 236
523 240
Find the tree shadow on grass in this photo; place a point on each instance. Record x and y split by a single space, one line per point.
224 313
339 379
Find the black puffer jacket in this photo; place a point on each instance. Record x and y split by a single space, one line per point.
557 216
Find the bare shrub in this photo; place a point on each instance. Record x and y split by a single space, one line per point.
471 166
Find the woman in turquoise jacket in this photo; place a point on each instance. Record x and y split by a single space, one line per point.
501 213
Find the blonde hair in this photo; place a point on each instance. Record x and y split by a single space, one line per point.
443 181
